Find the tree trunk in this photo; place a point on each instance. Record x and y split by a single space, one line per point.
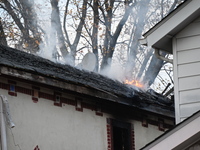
112 40
153 70
144 63
2 34
29 23
56 25
133 50
73 47
95 33
155 64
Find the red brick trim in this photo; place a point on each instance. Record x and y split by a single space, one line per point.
99 111
88 106
12 93
46 96
132 137
35 100
35 94
93 107
57 99
161 125
129 126
23 90
4 86
37 148
145 122
68 101
79 106
109 134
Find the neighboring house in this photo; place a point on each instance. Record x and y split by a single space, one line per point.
55 106
179 34
185 136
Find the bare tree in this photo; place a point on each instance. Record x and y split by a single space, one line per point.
110 39
2 35
140 21
156 64
74 44
23 14
94 36
102 27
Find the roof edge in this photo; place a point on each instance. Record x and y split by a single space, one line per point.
171 131
167 17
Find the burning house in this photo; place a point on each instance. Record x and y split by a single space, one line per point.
179 34
55 106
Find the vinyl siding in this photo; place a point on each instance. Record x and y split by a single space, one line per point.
189 69
190 96
187 76
188 56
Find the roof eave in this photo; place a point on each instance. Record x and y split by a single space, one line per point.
172 131
161 35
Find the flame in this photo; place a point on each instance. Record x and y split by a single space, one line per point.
134 82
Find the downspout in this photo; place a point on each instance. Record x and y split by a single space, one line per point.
157 53
3 127
4 112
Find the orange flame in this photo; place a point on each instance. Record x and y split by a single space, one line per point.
134 82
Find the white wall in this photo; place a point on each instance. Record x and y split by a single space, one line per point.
54 128
186 50
144 135
62 128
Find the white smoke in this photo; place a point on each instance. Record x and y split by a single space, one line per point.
47 50
114 71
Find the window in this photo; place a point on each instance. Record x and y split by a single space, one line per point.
122 135
12 88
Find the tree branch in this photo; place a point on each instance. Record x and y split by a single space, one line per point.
64 23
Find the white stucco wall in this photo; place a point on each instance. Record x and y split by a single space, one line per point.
144 135
51 127
186 50
62 128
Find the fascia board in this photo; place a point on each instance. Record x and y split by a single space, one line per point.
177 135
171 22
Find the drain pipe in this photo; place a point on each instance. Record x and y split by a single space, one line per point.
3 127
157 53
4 109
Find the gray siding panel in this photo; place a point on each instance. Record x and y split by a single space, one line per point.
191 69
189 83
189 109
188 43
188 56
190 30
186 50
190 96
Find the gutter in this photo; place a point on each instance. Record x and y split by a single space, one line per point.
4 110
157 53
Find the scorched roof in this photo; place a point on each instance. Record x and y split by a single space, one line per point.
112 90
